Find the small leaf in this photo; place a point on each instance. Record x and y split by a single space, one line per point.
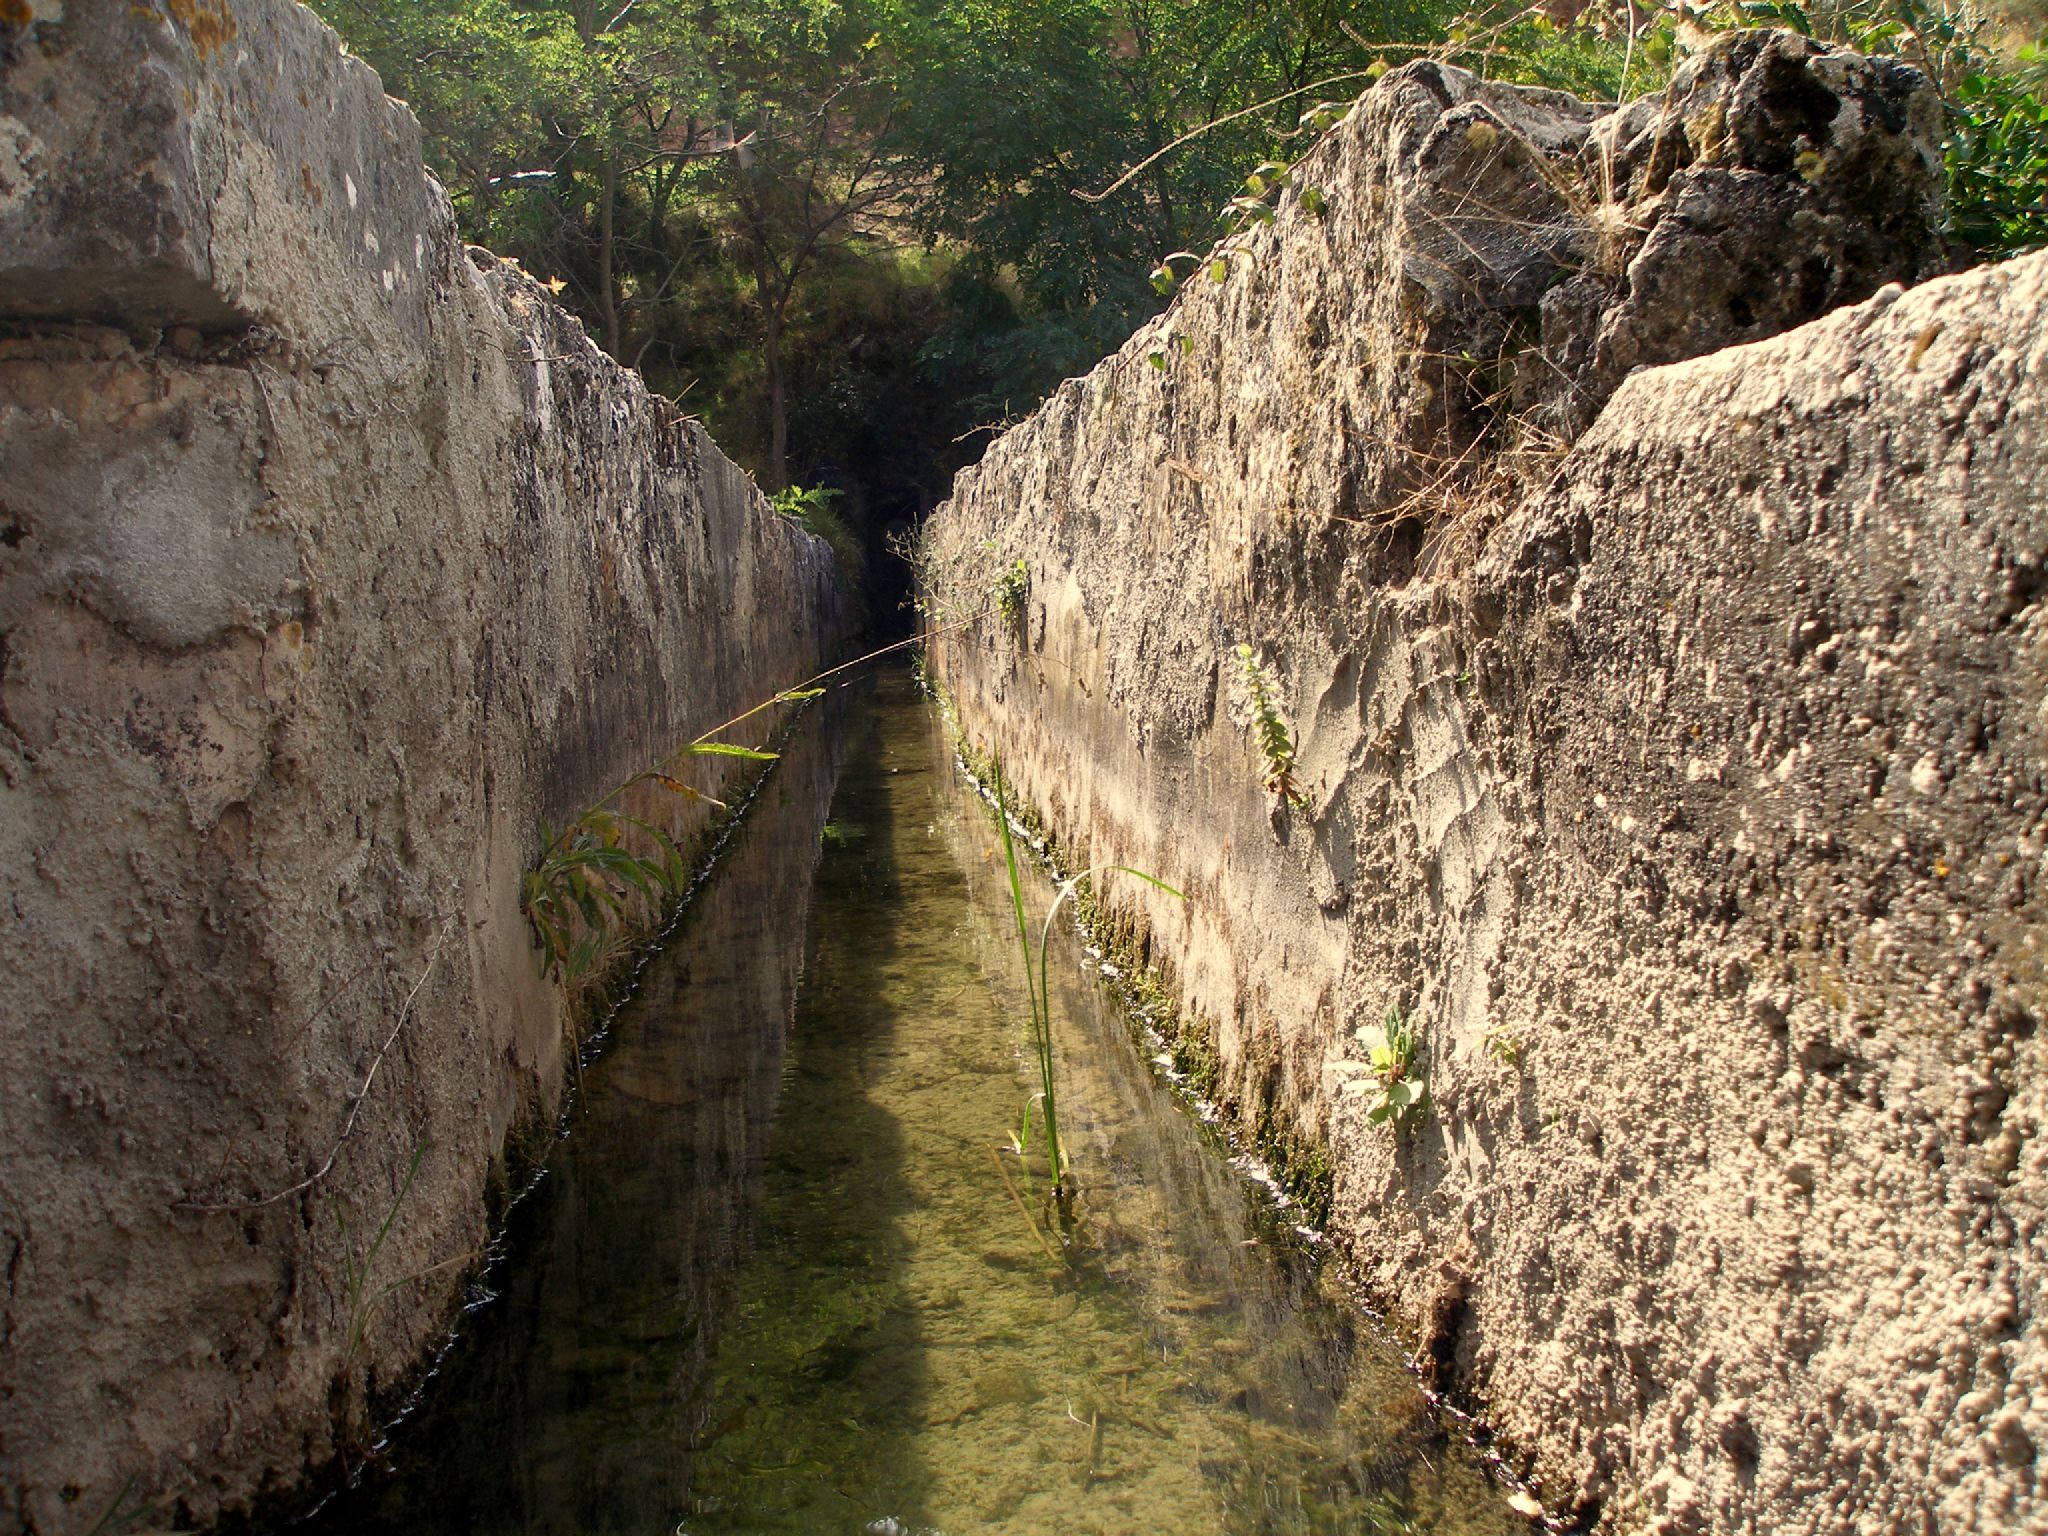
729 749
1157 360
1219 269
1152 880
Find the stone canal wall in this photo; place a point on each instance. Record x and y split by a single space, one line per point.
333 557
1668 710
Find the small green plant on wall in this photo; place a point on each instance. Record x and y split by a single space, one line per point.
1269 730
1388 1077
1012 588
1159 357
581 894
363 1298
1504 1046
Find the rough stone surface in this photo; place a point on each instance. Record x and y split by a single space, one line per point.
1685 789
332 557
1773 182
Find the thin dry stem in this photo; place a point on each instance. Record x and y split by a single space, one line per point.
354 1109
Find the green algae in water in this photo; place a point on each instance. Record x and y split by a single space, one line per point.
915 1351
838 1314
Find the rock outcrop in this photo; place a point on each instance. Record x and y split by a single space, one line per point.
333 557
1683 787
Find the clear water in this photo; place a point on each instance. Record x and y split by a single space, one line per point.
784 1275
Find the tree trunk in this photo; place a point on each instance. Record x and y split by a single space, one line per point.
778 402
607 288
1162 188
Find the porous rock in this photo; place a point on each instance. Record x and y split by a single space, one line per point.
333 558
1683 789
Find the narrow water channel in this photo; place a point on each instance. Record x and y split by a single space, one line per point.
779 1277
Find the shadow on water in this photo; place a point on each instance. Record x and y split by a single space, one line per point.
769 1290
819 1377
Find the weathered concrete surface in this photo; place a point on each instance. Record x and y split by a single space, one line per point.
332 556
1697 770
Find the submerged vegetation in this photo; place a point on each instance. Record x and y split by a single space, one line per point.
893 1348
1039 990
1180 1043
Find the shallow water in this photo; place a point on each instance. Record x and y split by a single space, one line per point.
784 1275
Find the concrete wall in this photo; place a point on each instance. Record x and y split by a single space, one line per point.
332 556
1683 787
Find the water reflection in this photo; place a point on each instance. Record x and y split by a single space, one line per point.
577 1397
900 1340
917 1349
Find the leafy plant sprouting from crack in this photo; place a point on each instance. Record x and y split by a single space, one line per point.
1388 1074
588 880
1503 1046
1011 590
1270 731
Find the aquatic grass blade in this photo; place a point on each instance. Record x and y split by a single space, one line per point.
1041 1022
1038 978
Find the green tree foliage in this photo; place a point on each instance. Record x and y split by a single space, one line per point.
816 176
848 231
1997 156
564 131
1014 109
